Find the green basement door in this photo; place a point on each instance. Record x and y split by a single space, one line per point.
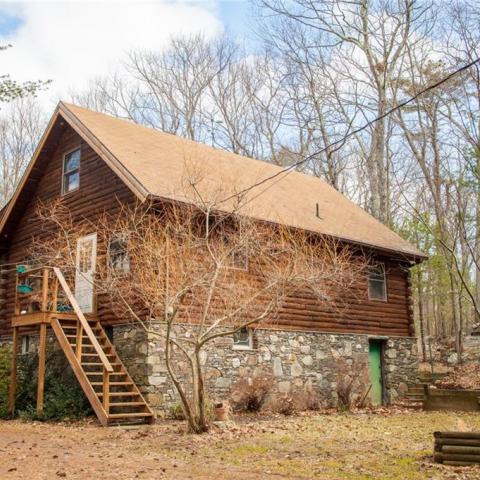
375 363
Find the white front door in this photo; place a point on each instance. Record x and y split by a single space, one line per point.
85 272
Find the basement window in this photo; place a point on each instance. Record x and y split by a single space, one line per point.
377 284
118 255
243 339
71 171
25 348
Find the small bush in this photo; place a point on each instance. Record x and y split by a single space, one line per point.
176 411
5 364
307 400
285 405
64 399
250 395
349 383
295 402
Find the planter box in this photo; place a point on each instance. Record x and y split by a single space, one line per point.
452 400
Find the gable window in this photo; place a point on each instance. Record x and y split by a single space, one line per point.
377 284
118 255
243 339
71 171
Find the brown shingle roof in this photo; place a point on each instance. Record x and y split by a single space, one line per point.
158 164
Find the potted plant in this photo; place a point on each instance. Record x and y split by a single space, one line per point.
221 411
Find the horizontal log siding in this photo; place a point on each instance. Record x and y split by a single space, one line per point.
99 190
355 313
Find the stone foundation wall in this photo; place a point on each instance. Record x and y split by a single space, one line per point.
295 361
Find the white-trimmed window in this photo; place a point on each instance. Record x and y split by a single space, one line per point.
119 260
71 171
243 339
377 283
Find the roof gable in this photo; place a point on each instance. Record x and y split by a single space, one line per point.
153 163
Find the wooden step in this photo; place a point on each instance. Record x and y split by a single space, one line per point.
90 346
127 404
129 415
85 337
97 364
75 320
113 384
95 354
100 374
120 394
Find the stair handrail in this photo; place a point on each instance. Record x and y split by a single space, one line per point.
86 326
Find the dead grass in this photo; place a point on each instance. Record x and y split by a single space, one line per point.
339 446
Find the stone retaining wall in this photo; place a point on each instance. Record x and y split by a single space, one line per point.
445 355
296 361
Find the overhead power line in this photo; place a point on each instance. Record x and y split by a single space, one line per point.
287 170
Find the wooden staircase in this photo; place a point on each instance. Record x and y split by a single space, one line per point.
112 393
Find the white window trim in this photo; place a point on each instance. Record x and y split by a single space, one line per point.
244 347
385 298
64 192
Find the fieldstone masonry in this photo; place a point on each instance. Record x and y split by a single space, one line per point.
444 353
296 360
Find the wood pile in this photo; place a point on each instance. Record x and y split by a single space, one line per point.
457 448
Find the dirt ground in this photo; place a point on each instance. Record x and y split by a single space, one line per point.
381 445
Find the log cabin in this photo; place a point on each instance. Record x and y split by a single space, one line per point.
95 163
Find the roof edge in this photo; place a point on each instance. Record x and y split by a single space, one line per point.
103 152
417 258
11 203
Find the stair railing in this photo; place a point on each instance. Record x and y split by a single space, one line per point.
84 326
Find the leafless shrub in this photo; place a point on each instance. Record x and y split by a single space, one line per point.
349 382
295 402
249 395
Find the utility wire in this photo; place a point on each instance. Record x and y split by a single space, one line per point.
287 170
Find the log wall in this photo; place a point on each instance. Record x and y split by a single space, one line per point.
101 190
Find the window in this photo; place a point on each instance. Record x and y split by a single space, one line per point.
118 255
85 257
377 285
25 344
71 171
243 339
239 260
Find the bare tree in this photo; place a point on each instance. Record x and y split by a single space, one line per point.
21 125
366 43
196 274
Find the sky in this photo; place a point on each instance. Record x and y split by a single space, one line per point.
71 41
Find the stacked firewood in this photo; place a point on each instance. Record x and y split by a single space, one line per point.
457 448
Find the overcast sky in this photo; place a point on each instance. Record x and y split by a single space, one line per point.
72 41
